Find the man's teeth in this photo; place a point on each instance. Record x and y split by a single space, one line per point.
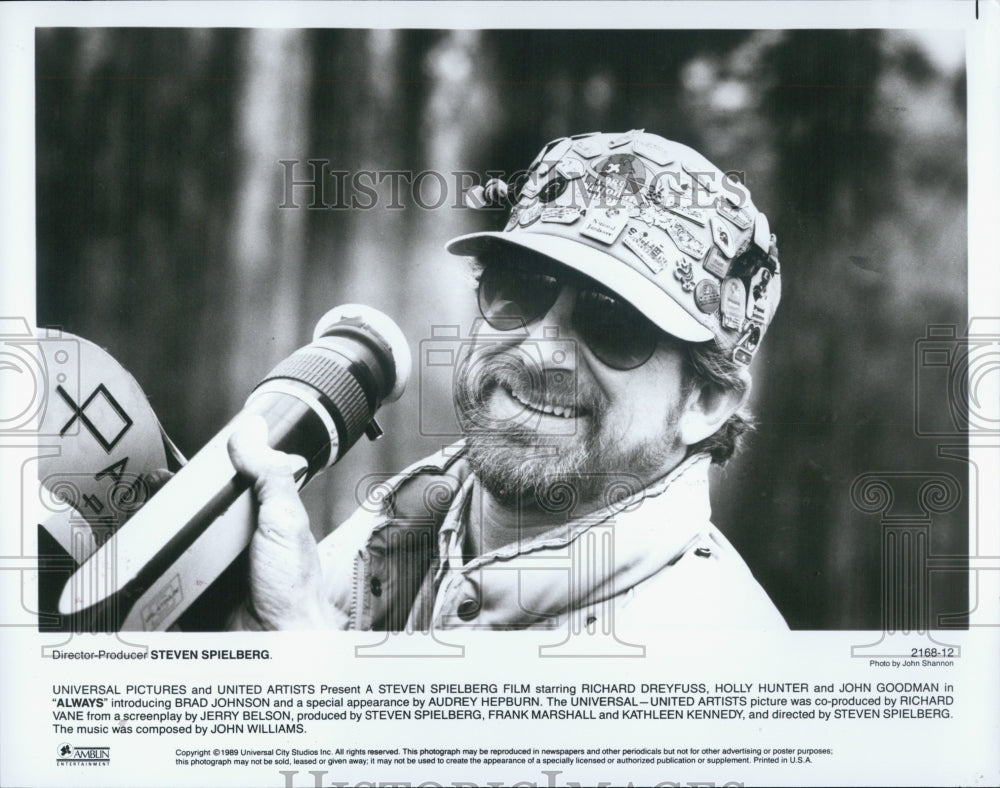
566 411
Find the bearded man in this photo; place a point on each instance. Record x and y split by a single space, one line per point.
621 307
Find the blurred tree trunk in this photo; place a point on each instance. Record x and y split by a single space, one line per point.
264 269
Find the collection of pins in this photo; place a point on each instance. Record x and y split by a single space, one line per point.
611 190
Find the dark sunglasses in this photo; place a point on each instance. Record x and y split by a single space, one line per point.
514 295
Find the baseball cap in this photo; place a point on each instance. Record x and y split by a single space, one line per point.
655 222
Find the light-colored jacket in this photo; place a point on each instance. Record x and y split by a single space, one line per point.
653 560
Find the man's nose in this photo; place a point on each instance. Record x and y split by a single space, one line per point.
557 323
552 338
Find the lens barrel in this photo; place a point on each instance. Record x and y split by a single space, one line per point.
347 372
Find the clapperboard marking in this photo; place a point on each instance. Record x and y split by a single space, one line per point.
79 413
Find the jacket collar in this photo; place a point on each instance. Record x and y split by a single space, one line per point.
588 560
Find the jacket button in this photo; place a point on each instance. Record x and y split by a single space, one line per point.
376 586
702 552
468 609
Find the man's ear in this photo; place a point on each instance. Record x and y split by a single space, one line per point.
706 409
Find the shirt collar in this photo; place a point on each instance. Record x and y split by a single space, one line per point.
690 476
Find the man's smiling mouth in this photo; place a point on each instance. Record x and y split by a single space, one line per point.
552 408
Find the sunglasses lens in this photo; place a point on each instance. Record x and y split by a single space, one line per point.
511 297
615 331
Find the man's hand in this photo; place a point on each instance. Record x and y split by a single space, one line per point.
286 588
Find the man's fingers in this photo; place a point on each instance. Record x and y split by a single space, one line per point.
281 517
285 573
273 473
156 479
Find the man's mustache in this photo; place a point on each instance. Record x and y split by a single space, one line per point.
502 366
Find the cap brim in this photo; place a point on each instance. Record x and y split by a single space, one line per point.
630 284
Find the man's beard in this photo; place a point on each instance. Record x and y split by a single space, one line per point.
524 466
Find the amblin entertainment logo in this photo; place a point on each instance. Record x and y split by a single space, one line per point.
68 755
